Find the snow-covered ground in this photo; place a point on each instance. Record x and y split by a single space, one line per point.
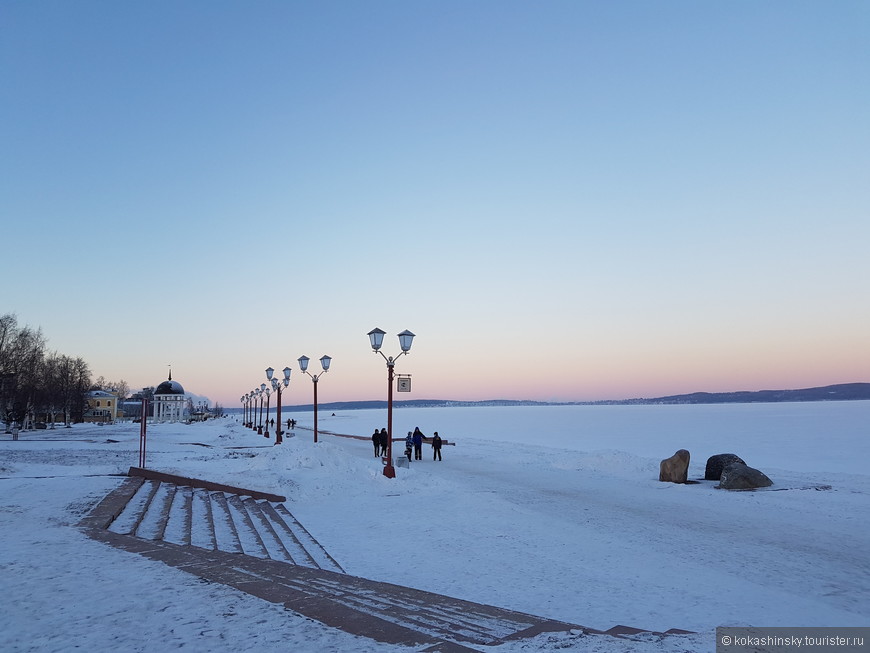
555 511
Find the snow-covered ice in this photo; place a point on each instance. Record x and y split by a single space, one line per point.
551 510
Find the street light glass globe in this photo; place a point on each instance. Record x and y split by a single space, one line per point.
376 336
405 340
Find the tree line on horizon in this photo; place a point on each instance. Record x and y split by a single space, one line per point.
41 385
38 383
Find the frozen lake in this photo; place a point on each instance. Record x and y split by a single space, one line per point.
811 436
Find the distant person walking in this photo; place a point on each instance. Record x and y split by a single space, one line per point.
436 446
384 439
376 440
418 443
409 443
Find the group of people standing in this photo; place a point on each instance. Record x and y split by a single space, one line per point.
380 439
414 442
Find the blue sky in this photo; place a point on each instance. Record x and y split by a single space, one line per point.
563 200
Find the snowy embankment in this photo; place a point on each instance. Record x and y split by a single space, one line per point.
556 511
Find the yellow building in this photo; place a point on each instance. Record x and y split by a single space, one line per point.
102 406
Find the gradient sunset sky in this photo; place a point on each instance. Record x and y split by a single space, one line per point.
564 200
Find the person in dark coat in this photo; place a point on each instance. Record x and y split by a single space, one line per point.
376 440
436 446
384 439
409 443
418 443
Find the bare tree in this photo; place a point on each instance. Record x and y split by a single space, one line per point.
62 386
65 386
45 395
22 350
81 381
120 388
35 384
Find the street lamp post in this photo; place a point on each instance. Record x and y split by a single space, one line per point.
278 388
260 392
376 337
268 392
254 408
303 365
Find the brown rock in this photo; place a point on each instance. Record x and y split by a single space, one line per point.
676 468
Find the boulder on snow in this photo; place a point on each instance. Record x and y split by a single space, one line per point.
737 476
676 468
715 465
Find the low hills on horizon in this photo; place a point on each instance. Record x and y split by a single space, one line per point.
839 392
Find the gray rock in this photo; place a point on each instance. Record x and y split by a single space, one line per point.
737 476
715 465
676 468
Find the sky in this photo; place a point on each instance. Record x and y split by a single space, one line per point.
562 200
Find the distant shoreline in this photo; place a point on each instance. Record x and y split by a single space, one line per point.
840 392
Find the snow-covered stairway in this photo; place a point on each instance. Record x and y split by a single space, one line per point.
248 540
189 512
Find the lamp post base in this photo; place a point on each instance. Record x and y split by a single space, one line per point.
389 471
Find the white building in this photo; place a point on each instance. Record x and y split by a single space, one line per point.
169 401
